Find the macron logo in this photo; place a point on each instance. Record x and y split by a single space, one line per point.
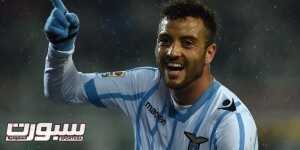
228 105
155 113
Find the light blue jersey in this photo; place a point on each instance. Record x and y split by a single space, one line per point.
217 120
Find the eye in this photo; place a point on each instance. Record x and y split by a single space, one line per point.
164 41
187 43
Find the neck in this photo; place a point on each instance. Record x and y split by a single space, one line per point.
188 95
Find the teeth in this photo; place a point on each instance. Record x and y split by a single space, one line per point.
174 65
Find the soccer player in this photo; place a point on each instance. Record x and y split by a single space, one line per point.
177 106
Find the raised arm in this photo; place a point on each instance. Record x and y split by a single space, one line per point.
123 90
61 79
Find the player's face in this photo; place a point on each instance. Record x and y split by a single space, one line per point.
180 52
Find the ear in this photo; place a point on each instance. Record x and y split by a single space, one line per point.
210 53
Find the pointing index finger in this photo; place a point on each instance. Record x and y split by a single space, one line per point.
59 5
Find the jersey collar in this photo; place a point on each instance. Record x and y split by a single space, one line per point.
204 100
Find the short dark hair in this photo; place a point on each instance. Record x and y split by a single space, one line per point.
177 9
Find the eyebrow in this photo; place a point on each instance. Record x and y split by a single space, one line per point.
163 34
182 37
189 37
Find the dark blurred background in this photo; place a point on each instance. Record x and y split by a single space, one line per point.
258 58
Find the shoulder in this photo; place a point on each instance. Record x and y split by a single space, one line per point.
230 101
230 119
144 73
230 110
144 69
144 77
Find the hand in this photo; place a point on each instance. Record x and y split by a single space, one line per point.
61 27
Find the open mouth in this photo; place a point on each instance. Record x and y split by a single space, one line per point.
174 66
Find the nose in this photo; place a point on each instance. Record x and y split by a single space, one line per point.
173 51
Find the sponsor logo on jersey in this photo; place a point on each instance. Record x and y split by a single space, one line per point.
228 105
194 140
155 113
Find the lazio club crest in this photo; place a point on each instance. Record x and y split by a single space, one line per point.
195 141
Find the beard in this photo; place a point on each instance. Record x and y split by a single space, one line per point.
191 73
